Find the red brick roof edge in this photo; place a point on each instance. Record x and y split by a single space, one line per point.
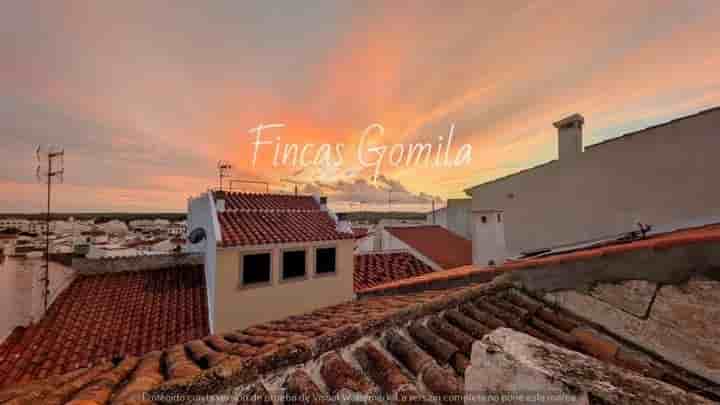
702 234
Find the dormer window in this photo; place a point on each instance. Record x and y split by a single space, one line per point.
256 269
325 260
293 264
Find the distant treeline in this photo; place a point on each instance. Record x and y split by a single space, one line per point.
374 217
102 217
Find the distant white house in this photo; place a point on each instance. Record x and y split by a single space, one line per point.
14 223
177 229
142 224
455 217
114 227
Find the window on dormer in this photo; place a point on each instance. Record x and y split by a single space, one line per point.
256 269
325 262
293 264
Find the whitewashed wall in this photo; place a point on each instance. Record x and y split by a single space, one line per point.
663 175
21 290
202 214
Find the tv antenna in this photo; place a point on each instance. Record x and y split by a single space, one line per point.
267 184
50 168
224 170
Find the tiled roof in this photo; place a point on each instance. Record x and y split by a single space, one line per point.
260 228
428 355
259 219
360 232
701 234
274 202
429 333
443 247
374 269
99 317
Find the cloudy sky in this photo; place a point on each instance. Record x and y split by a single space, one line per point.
146 97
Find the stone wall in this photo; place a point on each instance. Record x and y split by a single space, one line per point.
521 369
677 323
134 263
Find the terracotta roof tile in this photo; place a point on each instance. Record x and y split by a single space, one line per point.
443 247
261 228
106 316
270 202
260 219
339 375
374 269
407 346
360 232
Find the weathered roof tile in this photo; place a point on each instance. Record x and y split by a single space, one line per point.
300 389
101 317
396 351
374 269
339 375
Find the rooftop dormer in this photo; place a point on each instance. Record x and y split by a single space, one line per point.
277 255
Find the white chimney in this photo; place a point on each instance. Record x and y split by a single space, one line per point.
9 248
323 204
220 201
344 227
570 142
488 243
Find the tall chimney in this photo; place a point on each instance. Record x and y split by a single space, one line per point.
220 200
323 203
570 142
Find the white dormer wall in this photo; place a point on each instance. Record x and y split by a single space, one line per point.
238 306
233 306
488 237
202 213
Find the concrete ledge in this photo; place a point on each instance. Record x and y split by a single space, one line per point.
671 258
135 263
670 264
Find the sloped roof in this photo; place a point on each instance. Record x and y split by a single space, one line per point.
260 228
99 317
429 333
706 233
269 202
436 327
259 219
447 249
360 232
374 269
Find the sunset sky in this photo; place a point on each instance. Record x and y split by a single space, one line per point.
146 97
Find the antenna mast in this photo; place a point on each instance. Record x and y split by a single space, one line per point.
224 170
55 158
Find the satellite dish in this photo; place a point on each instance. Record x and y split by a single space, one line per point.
197 235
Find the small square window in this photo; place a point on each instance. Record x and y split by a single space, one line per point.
256 269
293 264
325 260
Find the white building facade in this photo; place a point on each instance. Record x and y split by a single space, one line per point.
663 175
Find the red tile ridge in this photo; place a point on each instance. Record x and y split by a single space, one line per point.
702 234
